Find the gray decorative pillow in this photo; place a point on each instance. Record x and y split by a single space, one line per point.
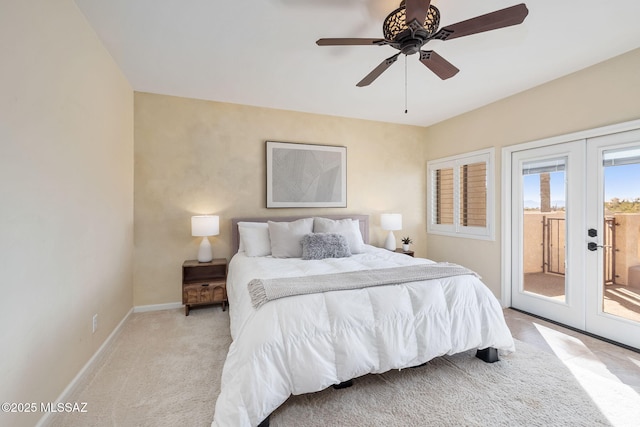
324 245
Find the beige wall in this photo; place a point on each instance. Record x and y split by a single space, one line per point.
604 94
199 157
66 204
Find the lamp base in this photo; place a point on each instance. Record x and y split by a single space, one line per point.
204 253
390 242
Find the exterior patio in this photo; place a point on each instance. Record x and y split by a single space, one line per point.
544 235
619 300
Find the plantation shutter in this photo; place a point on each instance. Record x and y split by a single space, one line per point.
444 196
473 195
461 194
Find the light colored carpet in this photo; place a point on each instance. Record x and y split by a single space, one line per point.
525 389
164 370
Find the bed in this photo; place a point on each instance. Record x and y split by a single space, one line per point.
304 343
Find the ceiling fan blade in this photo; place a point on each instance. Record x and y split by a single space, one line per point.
375 73
513 15
416 10
351 42
436 63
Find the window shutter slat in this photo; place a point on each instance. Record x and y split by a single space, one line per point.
473 195
444 196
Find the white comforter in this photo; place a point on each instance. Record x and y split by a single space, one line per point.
306 343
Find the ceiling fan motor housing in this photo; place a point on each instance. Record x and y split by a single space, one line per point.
409 46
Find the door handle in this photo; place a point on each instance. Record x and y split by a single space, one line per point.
593 246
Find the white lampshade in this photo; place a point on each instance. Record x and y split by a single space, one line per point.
205 225
391 221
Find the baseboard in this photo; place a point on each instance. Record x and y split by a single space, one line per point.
72 385
157 307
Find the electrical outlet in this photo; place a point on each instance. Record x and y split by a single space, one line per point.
94 323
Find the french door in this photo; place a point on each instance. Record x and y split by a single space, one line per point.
613 255
575 226
548 218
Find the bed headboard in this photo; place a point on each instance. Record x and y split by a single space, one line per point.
235 241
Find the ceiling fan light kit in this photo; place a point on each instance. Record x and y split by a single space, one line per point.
410 34
415 22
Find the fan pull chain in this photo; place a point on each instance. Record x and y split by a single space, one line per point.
405 84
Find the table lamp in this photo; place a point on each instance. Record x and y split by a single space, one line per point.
204 226
391 222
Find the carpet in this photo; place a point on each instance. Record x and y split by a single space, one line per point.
526 388
163 369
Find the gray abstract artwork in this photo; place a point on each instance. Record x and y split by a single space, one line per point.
307 176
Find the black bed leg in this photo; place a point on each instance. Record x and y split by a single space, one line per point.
345 384
264 423
489 354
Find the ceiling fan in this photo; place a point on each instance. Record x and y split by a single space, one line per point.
415 22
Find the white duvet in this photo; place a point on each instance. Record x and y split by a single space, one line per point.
306 343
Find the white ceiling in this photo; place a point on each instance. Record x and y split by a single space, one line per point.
263 53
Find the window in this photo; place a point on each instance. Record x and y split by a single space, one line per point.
460 199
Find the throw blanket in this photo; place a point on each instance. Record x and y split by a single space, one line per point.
264 290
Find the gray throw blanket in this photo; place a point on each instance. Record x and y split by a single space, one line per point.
264 290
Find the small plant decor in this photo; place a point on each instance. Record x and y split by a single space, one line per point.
406 241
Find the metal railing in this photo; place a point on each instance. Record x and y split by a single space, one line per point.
554 247
609 243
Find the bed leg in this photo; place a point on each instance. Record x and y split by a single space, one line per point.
345 384
489 354
264 423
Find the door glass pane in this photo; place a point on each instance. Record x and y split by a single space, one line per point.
544 227
621 239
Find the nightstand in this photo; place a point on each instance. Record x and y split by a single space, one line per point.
402 251
204 283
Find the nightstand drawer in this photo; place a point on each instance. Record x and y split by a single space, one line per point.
203 293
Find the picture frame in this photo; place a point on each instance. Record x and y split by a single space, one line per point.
306 175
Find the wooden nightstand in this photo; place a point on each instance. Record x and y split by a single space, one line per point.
401 251
204 283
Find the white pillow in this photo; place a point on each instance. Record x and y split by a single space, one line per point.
350 228
286 237
254 238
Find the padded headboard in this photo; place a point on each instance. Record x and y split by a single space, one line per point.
235 241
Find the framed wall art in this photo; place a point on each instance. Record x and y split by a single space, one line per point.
306 176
